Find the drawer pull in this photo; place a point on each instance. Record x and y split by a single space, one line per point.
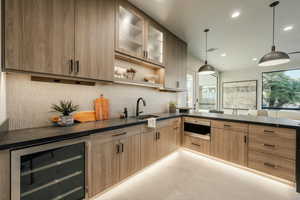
196 144
227 126
270 165
124 133
270 145
268 132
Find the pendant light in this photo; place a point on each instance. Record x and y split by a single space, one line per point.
206 69
274 57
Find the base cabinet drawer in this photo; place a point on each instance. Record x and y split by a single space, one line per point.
273 165
197 144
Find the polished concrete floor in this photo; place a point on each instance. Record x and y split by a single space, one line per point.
188 176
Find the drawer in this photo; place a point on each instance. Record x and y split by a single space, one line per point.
277 141
199 121
273 165
273 145
197 144
117 134
234 126
268 132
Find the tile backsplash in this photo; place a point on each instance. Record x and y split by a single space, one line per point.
28 102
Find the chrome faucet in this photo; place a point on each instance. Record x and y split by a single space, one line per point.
138 112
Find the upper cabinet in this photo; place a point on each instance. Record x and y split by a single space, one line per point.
94 39
39 38
137 35
130 30
176 63
155 42
40 35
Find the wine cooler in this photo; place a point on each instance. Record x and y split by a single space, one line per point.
49 172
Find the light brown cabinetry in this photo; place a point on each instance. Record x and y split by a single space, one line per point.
273 150
176 63
105 163
158 143
115 156
5 174
138 35
148 148
94 39
40 35
229 141
130 157
197 144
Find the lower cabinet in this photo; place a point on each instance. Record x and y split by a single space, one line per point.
130 156
158 143
148 148
197 144
114 156
230 144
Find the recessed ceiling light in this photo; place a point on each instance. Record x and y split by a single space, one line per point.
254 59
223 54
235 14
288 28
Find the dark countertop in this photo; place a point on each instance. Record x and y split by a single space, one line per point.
28 137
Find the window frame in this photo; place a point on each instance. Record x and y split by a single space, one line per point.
262 91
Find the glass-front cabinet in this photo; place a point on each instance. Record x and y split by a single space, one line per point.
138 36
130 31
155 44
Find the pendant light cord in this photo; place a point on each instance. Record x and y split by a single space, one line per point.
274 26
206 47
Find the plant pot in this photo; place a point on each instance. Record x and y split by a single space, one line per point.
172 109
66 121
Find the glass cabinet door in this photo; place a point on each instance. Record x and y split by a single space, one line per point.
130 32
155 44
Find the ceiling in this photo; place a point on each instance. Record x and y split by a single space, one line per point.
242 38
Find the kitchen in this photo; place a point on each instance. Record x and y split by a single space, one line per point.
122 68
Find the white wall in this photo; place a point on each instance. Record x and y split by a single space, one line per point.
254 73
2 97
29 102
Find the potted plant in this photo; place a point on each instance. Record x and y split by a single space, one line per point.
65 108
131 73
172 107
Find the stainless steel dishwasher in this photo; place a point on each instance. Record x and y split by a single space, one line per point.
53 171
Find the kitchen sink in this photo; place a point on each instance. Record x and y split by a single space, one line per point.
143 117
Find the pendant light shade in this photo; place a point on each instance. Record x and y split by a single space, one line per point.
206 69
274 57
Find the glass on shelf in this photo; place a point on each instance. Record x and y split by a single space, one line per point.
155 44
130 32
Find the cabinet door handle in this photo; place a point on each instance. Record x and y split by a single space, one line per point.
118 148
270 145
159 135
177 84
245 139
122 149
196 144
71 66
77 67
270 165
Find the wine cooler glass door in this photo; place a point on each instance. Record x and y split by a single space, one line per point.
49 172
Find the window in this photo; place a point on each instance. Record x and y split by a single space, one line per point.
190 90
207 92
281 90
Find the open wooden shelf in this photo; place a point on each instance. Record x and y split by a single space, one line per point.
138 83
